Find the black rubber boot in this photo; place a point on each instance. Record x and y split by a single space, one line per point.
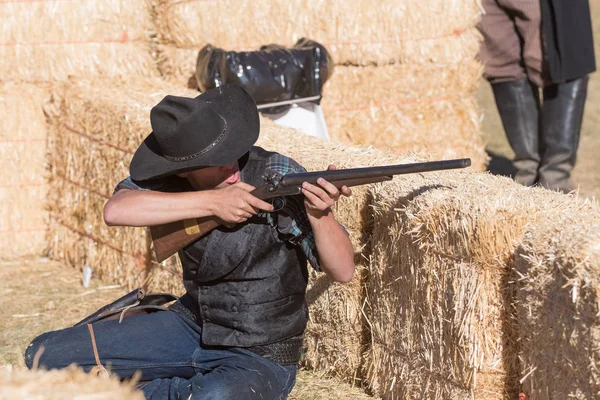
519 106
562 115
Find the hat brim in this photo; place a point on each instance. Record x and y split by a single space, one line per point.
238 109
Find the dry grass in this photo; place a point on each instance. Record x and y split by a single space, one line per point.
39 295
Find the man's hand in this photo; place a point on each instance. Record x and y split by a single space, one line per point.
318 200
234 204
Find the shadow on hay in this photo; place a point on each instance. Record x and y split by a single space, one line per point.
558 345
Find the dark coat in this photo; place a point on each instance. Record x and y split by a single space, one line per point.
568 39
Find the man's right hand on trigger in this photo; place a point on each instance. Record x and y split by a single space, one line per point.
234 204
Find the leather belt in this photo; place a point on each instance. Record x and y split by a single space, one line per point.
286 352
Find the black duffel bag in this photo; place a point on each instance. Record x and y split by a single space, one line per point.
272 74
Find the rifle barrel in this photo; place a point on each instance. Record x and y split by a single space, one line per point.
386 170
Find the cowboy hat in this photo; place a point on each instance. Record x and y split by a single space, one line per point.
214 129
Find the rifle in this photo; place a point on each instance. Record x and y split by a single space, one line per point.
171 237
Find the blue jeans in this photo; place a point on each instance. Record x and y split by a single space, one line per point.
166 349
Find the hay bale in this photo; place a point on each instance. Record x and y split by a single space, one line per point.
175 64
558 305
70 383
23 220
45 40
404 108
99 127
439 297
361 33
311 386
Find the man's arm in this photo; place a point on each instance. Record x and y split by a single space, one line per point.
335 250
233 204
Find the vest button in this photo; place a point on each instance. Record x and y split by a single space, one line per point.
205 307
234 308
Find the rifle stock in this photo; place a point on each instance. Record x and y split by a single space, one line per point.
170 238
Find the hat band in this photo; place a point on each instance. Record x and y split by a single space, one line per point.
201 152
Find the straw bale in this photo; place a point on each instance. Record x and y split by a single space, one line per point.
312 386
23 222
446 128
166 277
439 300
70 383
44 40
558 305
98 127
175 64
362 33
408 108
22 159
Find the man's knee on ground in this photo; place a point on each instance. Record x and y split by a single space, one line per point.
34 351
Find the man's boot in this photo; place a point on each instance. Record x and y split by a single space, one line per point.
562 115
519 105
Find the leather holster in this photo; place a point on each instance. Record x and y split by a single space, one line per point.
133 303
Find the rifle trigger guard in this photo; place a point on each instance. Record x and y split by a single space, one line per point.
278 203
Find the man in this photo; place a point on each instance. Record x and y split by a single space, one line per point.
531 45
237 332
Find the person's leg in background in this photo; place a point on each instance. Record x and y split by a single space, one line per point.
562 116
512 56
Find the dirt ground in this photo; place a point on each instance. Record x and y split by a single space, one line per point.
587 169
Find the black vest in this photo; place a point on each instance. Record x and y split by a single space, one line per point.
249 286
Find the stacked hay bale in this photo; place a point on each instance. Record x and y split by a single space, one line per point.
440 293
70 383
558 305
94 133
404 77
23 220
43 40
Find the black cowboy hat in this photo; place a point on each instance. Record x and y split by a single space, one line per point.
214 129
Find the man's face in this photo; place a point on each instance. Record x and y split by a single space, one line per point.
213 177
